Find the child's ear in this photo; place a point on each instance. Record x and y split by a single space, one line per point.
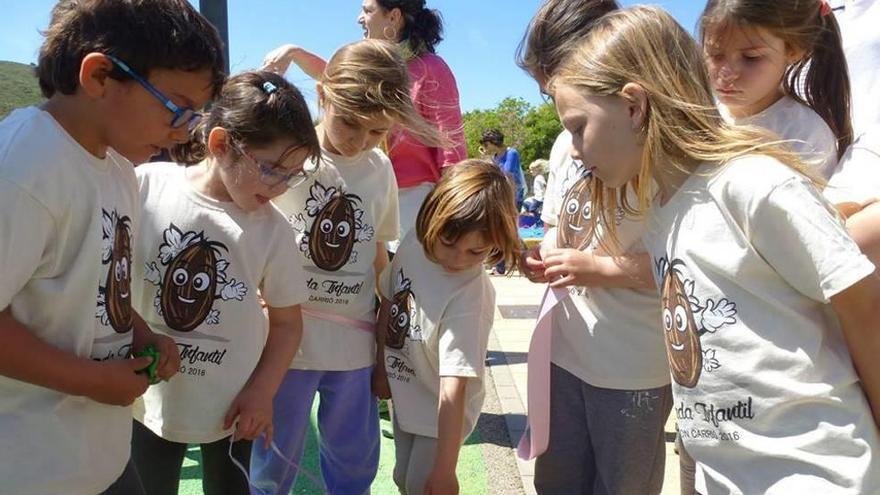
94 70
637 104
218 142
794 55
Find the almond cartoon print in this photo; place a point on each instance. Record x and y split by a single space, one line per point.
114 299
337 226
194 279
685 320
400 314
574 219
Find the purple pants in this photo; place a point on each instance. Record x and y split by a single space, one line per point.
348 432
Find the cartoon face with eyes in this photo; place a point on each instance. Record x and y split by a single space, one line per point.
332 236
574 219
400 324
114 305
194 278
680 329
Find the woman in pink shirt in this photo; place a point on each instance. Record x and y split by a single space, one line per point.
432 86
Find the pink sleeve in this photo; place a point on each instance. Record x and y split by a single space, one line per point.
436 97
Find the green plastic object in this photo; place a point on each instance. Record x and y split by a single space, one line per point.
150 369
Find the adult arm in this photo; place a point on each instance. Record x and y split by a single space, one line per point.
279 59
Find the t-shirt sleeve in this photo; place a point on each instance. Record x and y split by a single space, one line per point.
388 221
857 178
799 234
283 283
27 240
463 332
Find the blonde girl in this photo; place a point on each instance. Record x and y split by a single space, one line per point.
342 216
208 242
437 311
781 65
750 261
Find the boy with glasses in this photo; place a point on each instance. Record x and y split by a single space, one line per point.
121 78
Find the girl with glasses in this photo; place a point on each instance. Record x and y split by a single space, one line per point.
342 217
209 242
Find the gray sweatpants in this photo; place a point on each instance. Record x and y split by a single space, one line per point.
413 460
603 441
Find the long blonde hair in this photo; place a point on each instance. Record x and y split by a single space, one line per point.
682 127
369 77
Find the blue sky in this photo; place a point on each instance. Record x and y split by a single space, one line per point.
479 42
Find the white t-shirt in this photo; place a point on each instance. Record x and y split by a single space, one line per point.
338 217
809 135
562 173
858 21
857 177
439 326
539 186
766 397
59 204
606 337
199 265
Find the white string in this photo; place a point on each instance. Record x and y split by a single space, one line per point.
314 479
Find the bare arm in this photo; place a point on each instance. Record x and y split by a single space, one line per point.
449 429
27 358
864 227
568 267
381 389
380 262
253 406
279 59
856 308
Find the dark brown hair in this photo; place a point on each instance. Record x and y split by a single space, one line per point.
820 79
145 34
554 30
257 108
474 195
422 27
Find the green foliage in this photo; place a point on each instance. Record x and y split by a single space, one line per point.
531 130
18 87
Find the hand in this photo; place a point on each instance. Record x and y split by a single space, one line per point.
441 483
532 265
379 383
278 60
253 408
117 382
169 356
570 267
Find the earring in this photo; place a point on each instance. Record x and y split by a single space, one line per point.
393 36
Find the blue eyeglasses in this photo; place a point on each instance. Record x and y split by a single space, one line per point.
182 116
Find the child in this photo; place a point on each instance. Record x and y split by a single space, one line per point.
437 311
609 394
749 259
780 65
341 218
208 242
66 323
533 204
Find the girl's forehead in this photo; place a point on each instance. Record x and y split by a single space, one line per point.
738 36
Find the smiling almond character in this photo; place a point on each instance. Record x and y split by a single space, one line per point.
332 235
118 284
574 220
189 286
680 329
399 319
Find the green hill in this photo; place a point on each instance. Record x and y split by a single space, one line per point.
18 87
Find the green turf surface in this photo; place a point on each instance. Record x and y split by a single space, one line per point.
471 471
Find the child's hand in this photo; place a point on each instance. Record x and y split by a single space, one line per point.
380 386
441 483
117 382
570 267
532 265
253 408
169 356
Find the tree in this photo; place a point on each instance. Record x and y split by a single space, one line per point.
531 130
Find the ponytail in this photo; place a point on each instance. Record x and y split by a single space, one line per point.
825 86
422 27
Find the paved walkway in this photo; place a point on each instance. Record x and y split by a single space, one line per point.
517 300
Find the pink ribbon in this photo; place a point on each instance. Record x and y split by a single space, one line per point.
537 435
366 326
